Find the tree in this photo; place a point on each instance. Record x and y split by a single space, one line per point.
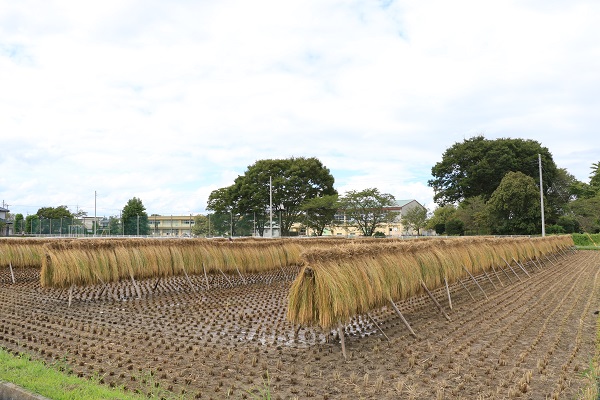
135 219
368 209
587 213
472 212
476 166
54 212
293 181
415 218
595 177
19 226
200 225
319 212
455 227
514 207
114 225
440 216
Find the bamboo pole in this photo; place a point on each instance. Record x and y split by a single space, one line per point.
512 269
378 327
189 280
524 270
475 280
490 279
12 274
438 305
226 278
505 274
240 274
402 318
341 335
156 284
448 292
70 295
205 277
135 285
534 263
497 276
467 289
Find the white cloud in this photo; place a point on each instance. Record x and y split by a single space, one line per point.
168 101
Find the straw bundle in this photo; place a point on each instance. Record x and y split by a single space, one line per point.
337 284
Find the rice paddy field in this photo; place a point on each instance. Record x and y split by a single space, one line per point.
301 319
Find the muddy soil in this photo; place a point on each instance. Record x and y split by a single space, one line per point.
525 334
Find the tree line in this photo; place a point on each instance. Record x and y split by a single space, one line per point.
481 186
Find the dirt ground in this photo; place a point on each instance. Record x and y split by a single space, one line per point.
533 337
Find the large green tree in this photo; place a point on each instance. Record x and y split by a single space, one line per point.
587 212
291 181
415 218
319 212
440 216
472 212
476 167
368 209
514 207
135 218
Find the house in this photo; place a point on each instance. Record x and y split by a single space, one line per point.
5 223
342 227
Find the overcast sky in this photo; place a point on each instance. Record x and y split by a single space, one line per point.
169 100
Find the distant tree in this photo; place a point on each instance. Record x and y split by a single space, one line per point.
32 224
514 207
472 212
114 225
135 218
293 181
476 166
200 225
440 216
19 226
415 218
54 212
319 212
368 209
587 213
455 227
595 177
569 224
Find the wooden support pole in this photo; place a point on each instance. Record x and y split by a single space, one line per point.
189 280
505 274
467 289
226 278
532 260
156 284
448 292
403 319
205 277
341 334
512 269
497 276
70 295
240 274
378 327
490 279
435 301
526 273
475 280
137 288
12 274
548 258
103 290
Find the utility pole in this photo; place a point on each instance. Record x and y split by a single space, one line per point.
271 206
95 219
542 196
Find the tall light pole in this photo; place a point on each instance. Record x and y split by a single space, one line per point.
542 196
271 205
95 219
138 224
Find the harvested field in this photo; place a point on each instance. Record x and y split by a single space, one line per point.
531 338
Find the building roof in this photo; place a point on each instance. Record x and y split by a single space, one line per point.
402 203
2 209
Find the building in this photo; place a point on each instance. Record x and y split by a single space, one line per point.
170 225
394 229
5 223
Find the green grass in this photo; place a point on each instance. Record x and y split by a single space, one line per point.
50 382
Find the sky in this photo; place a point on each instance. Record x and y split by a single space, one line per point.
101 102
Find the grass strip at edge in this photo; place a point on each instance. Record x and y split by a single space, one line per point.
38 378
